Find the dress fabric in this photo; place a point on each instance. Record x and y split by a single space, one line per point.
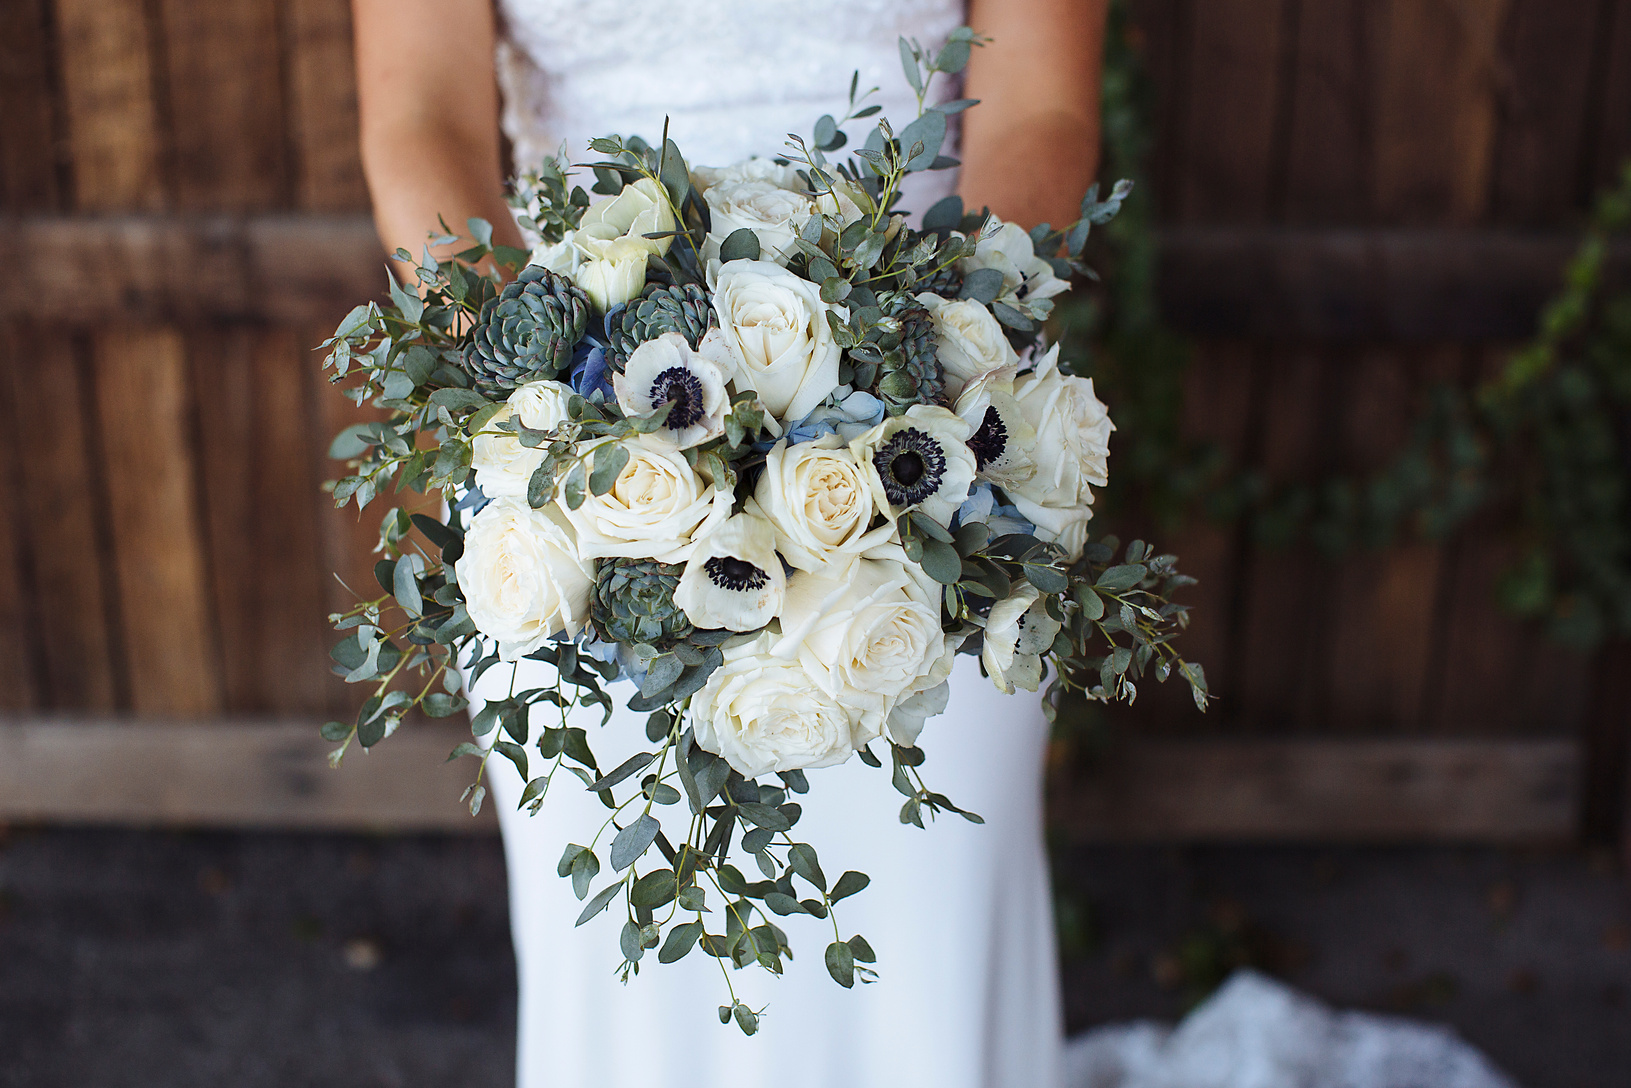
959 915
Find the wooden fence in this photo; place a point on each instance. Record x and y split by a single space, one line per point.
1360 197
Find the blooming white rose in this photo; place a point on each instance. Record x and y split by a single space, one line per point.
616 275
655 507
522 577
1072 446
870 632
775 327
1007 248
773 213
503 465
969 342
765 713
753 168
666 369
606 254
1018 632
734 579
816 496
918 460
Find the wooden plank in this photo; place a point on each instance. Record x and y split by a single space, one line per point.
1160 31
1435 117
1330 139
1218 388
142 401
19 666
1611 147
290 579
323 106
225 103
1232 97
277 268
236 773
222 373
1363 285
1282 625
1545 109
28 139
1326 790
1503 676
61 498
272 774
1384 603
103 51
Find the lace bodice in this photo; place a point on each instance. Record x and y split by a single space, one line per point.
733 76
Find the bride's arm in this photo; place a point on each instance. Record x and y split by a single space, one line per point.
428 105
1031 148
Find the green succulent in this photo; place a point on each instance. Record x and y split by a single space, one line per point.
910 373
946 283
633 602
526 332
681 308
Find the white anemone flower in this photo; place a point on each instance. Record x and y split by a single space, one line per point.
664 370
734 579
918 461
1003 440
1018 631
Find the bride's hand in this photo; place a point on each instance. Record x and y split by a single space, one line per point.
428 105
1032 147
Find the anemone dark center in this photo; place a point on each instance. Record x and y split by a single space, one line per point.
729 572
990 440
911 466
679 385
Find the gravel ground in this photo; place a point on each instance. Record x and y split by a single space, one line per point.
167 960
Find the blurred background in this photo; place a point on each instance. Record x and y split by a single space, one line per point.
1366 336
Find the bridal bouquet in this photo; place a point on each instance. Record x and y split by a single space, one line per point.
743 438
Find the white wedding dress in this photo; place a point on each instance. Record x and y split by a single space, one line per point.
959 915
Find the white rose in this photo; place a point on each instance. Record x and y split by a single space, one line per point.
734 579
1007 248
919 460
523 579
754 168
772 213
816 497
1018 632
503 465
606 254
1070 454
775 327
969 342
871 631
765 713
616 276
655 507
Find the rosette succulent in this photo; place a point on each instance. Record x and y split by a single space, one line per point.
910 373
526 332
633 603
681 308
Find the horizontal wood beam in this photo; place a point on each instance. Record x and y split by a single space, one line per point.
270 268
1411 285
1327 790
234 774
258 774
1380 285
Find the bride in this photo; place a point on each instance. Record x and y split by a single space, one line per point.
958 914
